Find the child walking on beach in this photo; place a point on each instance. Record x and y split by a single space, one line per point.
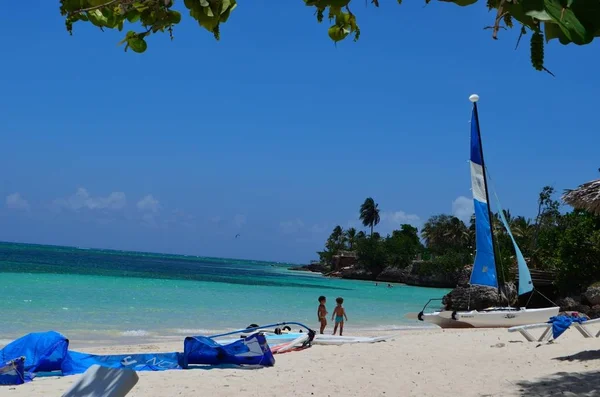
322 313
340 313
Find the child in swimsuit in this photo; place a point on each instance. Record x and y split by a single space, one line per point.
339 313
322 313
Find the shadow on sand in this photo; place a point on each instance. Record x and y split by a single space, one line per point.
563 384
585 355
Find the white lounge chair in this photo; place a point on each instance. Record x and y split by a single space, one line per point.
100 381
547 334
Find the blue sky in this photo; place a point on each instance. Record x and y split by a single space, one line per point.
274 132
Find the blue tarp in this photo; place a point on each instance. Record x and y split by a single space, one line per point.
49 352
43 351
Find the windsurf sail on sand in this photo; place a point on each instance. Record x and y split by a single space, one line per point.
279 338
49 352
252 350
13 372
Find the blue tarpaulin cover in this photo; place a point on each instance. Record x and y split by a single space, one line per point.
49 352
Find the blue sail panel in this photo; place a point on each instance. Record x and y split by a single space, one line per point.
484 266
525 283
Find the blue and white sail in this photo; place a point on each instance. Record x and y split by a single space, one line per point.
484 267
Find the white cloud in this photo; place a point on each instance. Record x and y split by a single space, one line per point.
462 208
148 204
239 220
396 218
289 227
83 200
16 202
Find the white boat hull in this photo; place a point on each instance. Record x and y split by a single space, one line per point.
502 317
442 319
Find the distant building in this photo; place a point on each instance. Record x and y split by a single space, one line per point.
344 259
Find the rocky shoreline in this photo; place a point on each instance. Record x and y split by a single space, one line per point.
463 296
313 267
419 273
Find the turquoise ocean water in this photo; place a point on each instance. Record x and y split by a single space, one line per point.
105 295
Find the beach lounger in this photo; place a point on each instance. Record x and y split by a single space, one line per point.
100 381
547 327
524 330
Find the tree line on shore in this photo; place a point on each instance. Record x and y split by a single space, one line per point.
567 243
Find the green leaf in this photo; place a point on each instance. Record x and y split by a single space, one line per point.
141 7
333 10
97 18
342 19
581 20
531 8
337 33
209 23
128 36
225 16
225 4
137 44
519 12
228 6
133 16
95 3
553 31
339 3
568 23
461 3
174 17
540 15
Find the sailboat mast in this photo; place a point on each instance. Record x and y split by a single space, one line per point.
487 196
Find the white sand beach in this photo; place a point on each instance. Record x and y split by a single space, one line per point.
414 363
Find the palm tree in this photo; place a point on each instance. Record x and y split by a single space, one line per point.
521 227
339 238
457 232
443 233
369 214
337 233
360 235
351 237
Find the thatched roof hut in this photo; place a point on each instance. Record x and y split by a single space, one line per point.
585 197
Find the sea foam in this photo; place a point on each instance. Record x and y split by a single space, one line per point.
135 332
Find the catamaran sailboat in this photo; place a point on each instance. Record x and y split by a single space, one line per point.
485 264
